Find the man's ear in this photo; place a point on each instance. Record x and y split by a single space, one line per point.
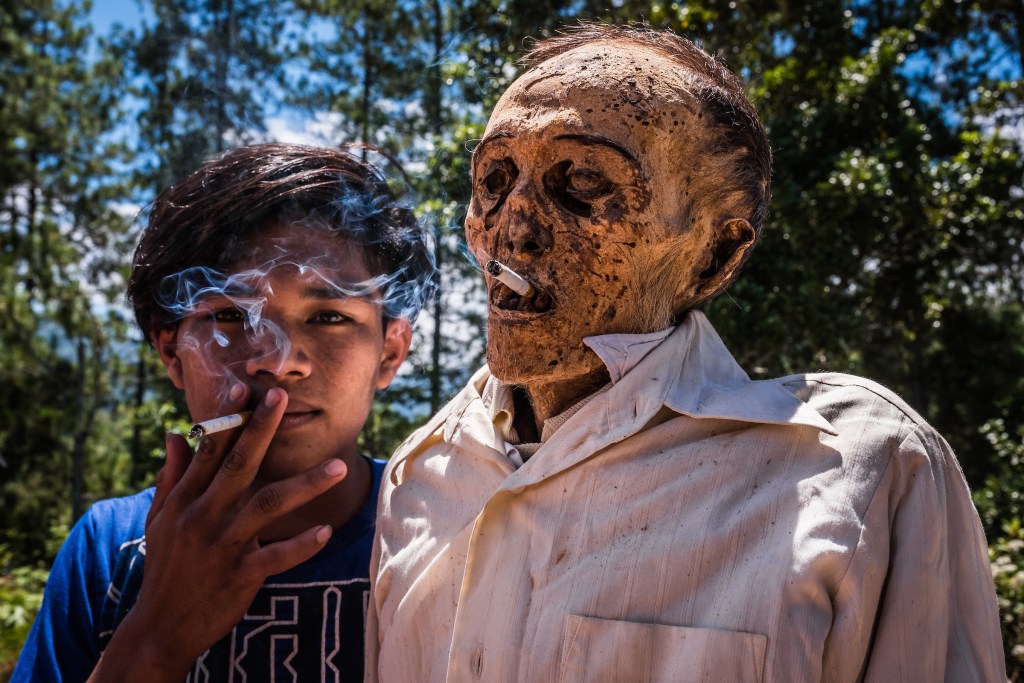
731 243
166 342
397 339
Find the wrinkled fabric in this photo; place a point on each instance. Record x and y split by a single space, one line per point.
686 524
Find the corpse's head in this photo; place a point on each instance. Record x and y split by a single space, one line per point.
626 176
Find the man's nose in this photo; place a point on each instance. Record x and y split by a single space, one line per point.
283 359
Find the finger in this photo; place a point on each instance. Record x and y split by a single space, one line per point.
275 558
243 460
178 454
210 451
236 399
275 500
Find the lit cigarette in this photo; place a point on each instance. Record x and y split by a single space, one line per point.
218 424
510 278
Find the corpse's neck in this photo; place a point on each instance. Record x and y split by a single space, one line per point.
537 402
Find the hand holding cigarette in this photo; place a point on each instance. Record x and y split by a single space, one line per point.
206 556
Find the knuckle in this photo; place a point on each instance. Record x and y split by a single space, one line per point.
252 570
268 500
206 450
236 460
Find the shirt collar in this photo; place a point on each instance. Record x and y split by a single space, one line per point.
710 384
707 382
621 352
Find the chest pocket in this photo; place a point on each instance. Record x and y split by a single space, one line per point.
609 651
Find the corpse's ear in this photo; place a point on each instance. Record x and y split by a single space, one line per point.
397 338
732 241
166 342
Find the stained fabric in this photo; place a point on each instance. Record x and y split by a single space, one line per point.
686 524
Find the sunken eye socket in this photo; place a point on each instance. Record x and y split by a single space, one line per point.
587 184
499 178
575 190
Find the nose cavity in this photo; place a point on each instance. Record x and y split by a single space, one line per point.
526 235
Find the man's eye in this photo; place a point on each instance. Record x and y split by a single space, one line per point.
500 178
329 318
587 185
228 315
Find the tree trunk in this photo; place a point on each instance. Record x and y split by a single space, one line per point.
368 72
138 457
78 445
432 104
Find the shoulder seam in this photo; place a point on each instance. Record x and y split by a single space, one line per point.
912 417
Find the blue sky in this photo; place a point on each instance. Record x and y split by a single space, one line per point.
105 13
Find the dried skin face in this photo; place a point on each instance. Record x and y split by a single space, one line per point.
581 185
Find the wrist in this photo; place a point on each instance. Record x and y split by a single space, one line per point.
139 653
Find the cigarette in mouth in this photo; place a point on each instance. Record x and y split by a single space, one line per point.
510 278
219 424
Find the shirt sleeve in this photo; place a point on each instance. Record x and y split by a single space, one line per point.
371 647
62 644
924 558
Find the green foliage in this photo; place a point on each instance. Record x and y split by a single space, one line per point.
1007 556
1002 509
21 594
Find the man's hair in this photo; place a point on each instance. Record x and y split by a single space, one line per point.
206 220
729 114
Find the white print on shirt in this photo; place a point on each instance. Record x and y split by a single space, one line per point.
293 632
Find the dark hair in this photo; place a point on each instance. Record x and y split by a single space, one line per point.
729 113
202 221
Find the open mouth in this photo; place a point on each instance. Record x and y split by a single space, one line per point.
504 298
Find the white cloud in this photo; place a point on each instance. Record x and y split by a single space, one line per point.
321 129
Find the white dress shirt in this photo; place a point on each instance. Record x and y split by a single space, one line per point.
684 524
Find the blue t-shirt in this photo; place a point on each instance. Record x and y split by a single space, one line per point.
305 624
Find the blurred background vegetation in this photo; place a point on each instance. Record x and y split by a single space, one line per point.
895 249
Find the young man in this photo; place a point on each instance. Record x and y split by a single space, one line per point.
280 280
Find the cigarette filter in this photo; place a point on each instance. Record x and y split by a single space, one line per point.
219 424
510 278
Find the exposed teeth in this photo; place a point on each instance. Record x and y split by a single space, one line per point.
505 299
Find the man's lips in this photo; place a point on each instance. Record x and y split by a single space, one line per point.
297 414
294 420
503 298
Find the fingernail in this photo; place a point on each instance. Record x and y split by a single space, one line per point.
323 533
334 467
236 392
273 397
